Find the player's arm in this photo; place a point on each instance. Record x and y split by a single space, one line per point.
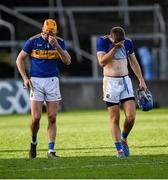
137 70
64 55
20 65
105 58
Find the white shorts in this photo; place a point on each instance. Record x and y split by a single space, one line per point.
117 89
45 89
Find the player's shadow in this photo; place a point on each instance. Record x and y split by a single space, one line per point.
87 167
84 148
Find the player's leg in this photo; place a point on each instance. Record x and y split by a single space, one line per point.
128 101
130 112
114 113
36 109
52 98
112 88
52 109
37 98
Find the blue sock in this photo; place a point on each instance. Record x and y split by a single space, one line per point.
124 135
34 139
51 146
118 146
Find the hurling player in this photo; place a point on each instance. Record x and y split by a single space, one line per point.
113 53
45 51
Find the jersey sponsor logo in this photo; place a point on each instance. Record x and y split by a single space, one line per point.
45 54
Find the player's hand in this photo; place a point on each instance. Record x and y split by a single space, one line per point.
53 41
119 44
27 84
142 85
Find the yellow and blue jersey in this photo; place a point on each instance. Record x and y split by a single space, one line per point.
44 59
104 45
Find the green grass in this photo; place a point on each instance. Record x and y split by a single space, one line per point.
85 147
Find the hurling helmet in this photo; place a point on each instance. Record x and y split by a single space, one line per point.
144 100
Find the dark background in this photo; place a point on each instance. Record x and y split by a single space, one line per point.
87 25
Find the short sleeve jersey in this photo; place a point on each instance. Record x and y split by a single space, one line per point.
44 59
104 45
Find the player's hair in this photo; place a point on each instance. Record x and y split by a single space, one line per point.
119 33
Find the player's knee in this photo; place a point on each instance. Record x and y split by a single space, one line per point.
35 123
52 118
115 120
36 118
130 118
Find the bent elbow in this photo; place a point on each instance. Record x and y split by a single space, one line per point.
68 60
17 61
102 64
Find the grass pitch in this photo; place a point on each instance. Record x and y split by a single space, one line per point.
85 147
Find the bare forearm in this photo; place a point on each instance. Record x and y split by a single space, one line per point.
65 57
137 70
107 57
21 68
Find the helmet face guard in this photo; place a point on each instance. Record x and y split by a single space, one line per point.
144 100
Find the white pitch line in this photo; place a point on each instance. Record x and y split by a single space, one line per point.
87 166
